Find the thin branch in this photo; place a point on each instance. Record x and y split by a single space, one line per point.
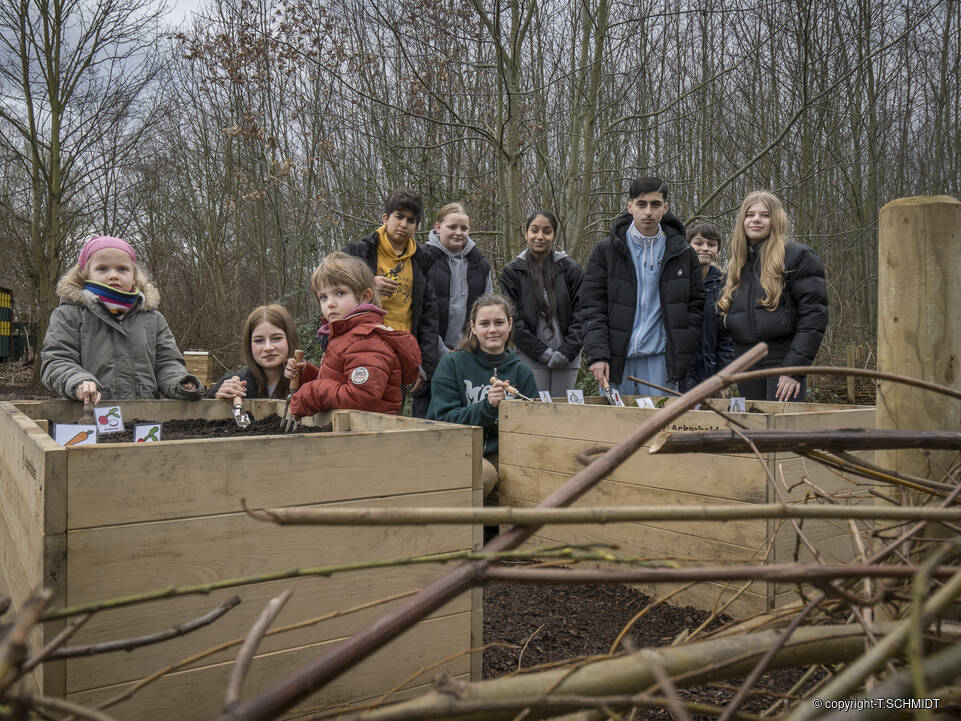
61 705
13 649
246 654
786 573
852 676
847 439
206 588
830 370
664 681
160 673
129 644
60 639
415 516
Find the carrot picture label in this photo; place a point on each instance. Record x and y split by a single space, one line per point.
70 435
147 432
109 419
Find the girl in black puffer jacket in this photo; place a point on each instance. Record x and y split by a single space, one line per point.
544 285
775 293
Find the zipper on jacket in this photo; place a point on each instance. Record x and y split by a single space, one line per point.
752 299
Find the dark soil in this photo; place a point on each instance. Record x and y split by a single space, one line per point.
188 429
19 393
549 624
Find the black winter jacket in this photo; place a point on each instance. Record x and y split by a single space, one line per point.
717 348
516 284
793 331
609 299
478 273
422 302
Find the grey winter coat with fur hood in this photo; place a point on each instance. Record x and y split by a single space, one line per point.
136 358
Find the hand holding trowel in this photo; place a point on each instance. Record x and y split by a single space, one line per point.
613 397
509 388
289 422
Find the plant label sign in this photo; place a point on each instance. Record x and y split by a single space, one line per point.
616 397
147 432
575 395
109 419
74 434
737 405
545 397
645 402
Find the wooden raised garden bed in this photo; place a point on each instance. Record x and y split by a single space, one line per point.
97 522
538 447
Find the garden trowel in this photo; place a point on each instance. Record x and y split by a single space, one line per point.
240 418
613 397
288 423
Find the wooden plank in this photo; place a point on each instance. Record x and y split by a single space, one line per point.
46 569
370 421
604 424
121 560
312 597
133 558
843 417
734 478
706 596
197 695
18 581
643 541
34 466
529 487
174 479
477 484
340 420
161 410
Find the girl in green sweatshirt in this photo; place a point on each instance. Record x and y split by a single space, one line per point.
462 390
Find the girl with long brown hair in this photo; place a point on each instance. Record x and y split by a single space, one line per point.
270 338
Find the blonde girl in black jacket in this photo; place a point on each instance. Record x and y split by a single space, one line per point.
776 293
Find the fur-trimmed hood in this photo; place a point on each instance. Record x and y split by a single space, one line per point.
72 291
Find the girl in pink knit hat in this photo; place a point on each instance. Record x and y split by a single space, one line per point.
107 339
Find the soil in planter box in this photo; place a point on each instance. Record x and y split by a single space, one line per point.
546 624
200 428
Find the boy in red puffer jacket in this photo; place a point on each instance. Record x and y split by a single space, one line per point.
366 363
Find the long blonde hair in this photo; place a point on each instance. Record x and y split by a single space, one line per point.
772 253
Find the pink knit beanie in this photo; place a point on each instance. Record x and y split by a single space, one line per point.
99 242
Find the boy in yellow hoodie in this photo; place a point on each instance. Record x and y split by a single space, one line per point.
401 267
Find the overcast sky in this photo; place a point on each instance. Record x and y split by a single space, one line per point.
181 9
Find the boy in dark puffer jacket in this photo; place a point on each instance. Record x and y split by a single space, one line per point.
642 297
401 269
717 348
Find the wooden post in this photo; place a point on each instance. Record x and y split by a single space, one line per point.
919 323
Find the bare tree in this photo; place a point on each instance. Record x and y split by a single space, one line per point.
74 105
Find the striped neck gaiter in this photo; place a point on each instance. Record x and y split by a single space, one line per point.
118 302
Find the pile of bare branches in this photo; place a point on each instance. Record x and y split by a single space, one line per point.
876 640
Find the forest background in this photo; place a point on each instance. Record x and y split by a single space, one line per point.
236 150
